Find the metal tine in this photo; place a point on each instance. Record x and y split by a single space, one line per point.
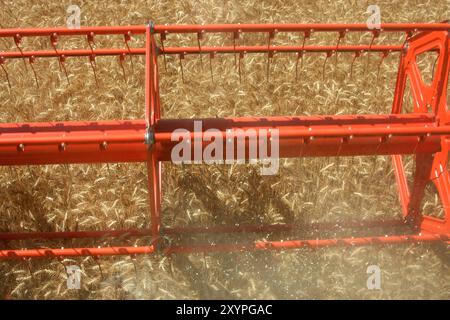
241 56
62 59
93 64
181 56
2 64
341 36
162 39
235 37
121 60
127 39
18 41
211 56
96 260
199 38
60 260
300 54
90 40
54 43
375 34
32 60
329 54
269 54
357 55
384 54
28 266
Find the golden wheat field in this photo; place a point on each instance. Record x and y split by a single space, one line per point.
114 196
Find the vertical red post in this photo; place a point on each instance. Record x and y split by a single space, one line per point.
152 114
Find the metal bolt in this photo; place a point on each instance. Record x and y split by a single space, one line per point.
405 48
152 27
149 138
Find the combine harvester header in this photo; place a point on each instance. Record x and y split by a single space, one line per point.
424 133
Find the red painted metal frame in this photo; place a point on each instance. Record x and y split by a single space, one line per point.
123 141
431 98
424 133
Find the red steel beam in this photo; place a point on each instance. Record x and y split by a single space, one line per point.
259 245
62 31
10 236
71 53
318 135
292 27
415 125
216 28
194 50
314 243
72 142
74 252
123 141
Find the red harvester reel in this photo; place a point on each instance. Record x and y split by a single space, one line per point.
424 133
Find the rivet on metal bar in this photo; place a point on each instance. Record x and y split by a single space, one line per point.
357 55
121 61
424 137
342 141
2 64
408 35
211 56
328 55
375 34
32 60
384 54
181 56
62 147
308 139
90 40
162 39
199 38
18 41
127 38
